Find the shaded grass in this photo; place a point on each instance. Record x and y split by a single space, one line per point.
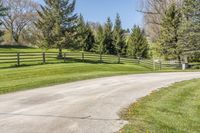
8 48
175 109
22 78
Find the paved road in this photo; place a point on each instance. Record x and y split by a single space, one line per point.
90 106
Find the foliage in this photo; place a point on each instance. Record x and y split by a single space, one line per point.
57 23
99 41
90 39
118 36
3 11
153 11
137 44
108 33
169 33
20 14
190 28
85 38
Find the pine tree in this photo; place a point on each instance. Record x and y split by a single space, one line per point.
90 38
57 22
2 14
81 35
100 41
169 33
108 33
137 44
190 28
118 36
84 37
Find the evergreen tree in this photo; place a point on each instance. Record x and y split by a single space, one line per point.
81 33
85 37
169 33
100 41
57 22
137 44
118 36
108 33
190 28
2 14
90 38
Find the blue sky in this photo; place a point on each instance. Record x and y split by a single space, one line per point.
99 10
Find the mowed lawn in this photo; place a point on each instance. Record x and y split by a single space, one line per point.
17 48
175 109
22 78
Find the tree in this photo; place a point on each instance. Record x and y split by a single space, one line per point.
85 37
30 35
57 23
100 41
118 36
137 44
108 33
3 11
153 11
169 33
81 33
90 39
20 14
190 27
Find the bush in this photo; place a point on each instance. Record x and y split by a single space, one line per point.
196 67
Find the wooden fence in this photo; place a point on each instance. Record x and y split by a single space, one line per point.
13 59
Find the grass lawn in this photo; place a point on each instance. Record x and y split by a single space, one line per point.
22 78
8 48
175 109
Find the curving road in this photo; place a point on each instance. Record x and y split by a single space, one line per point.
89 106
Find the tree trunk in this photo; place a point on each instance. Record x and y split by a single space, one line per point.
179 60
14 37
60 56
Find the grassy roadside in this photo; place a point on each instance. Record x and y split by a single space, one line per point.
175 109
22 78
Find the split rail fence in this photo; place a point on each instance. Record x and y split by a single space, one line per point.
13 59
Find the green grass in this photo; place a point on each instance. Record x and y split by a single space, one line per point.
8 59
22 78
18 48
14 78
175 109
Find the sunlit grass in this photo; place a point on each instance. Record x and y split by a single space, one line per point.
22 78
175 109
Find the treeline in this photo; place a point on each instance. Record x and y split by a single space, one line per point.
171 26
174 27
56 25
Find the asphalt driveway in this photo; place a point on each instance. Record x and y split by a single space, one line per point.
89 106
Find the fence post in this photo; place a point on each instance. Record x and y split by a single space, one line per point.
138 60
43 58
119 59
18 59
154 65
160 63
100 58
83 57
64 57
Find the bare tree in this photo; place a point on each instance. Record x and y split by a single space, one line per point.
21 13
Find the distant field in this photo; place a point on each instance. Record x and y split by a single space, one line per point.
175 109
16 79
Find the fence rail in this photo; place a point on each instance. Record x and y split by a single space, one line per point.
13 59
